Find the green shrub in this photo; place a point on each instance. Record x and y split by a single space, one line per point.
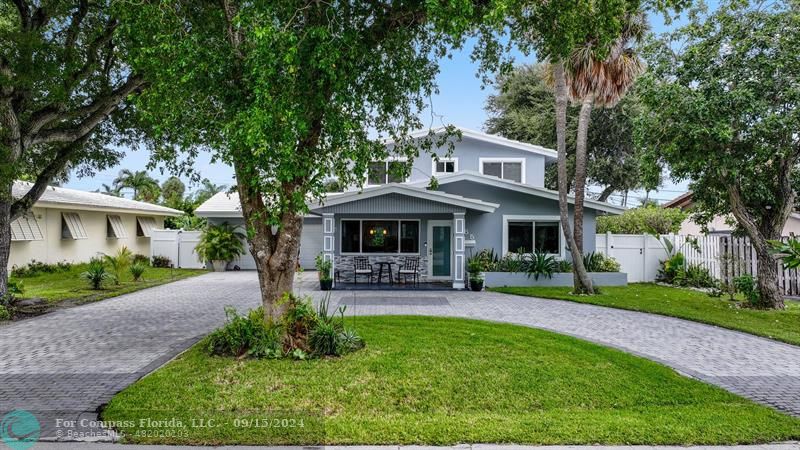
747 286
644 220
324 339
5 314
671 268
137 270
248 335
15 287
598 262
161 261
96 274
139 258
220 243
34 268
563 266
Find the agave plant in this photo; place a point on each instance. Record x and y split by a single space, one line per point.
540 264
96 274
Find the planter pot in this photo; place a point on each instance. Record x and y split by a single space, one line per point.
476 285
325 285
219 266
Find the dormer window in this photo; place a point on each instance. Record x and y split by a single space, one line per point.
384 172
445 166
512 169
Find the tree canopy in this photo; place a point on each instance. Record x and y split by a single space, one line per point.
724 112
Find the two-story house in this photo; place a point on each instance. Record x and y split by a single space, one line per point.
490 195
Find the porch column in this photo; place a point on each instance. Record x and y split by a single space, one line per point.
329 241
459 227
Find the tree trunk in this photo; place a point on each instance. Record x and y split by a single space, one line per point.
767 277
5 236
584 117
606 193
582 282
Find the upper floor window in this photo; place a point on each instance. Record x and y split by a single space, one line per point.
444 166
384 172
512 169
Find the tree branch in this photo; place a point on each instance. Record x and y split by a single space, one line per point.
105 106
24 14
25 203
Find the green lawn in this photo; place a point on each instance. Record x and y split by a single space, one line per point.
684 303
426 380
60 286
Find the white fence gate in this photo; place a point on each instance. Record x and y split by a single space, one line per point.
178 246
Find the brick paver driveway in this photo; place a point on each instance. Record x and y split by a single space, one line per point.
68 363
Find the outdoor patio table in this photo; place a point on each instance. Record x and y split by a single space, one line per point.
388 265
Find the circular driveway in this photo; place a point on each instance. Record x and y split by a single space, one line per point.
68 363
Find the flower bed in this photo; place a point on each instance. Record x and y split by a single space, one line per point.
497 279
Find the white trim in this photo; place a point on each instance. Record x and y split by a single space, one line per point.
361 230
502 167
429 249
494 139
525 189
459 274
459 244
459 225
533 219
328 244
327 226
434 172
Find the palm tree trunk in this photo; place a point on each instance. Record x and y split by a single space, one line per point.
584 118
581 280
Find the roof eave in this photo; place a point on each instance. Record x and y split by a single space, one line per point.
82 207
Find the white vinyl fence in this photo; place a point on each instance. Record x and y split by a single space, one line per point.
178 246
724 256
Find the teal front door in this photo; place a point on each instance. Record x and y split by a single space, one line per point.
440 254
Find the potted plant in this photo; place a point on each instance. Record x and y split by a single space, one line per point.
220 244
324 267
475 268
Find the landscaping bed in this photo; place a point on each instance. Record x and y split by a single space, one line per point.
683 303
64 287
496 279
439 381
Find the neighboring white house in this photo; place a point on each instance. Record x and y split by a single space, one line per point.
71 225
720 224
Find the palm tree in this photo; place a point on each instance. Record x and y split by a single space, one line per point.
208 190
109 190
587 79
144 186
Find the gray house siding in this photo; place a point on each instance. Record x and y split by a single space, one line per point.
391 204
469 151
488 228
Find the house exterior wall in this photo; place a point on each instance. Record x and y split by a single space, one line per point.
487 229
53 248
469 151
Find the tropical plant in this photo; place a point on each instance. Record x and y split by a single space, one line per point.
96 274
539 264
143 185
62 74
323 267
110 190
721 114
186 222
563 266
119 263
137 270
598 262
207 190
161 261
15 287
244 336
172 192
787 251
747 286
220 243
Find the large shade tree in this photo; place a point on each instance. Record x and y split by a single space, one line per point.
61 77
288 92
724 112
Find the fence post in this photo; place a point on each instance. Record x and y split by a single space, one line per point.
608 243
644 256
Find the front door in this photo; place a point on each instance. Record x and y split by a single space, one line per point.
440 246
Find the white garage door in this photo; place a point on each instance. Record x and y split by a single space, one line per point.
310 243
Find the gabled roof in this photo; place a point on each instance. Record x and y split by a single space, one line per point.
411 191
58 197
221 204
548 153
682 201
476 177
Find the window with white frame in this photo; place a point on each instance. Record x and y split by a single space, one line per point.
379 236
445 166
528 235
384 172
512 169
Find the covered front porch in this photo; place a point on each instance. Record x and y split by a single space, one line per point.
397 237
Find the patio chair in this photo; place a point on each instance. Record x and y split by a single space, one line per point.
362 266
410 268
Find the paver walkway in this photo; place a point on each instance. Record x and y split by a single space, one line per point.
68 363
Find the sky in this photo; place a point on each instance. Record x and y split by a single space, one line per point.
461 101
